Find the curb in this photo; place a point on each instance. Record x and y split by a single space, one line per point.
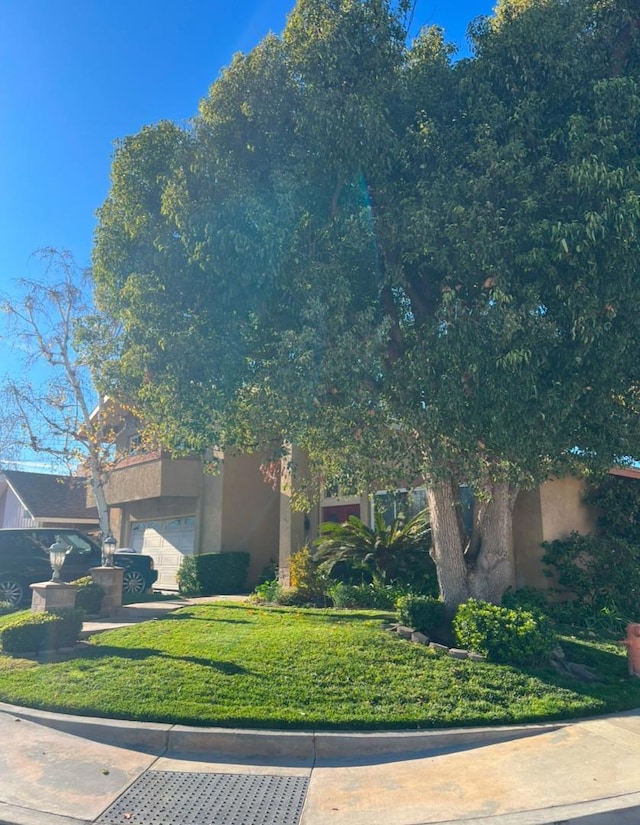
296 745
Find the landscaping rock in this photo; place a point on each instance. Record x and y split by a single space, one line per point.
419 638
438 648
476 657
456 653
582 672
405 632
573 669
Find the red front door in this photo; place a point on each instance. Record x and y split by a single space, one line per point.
339 513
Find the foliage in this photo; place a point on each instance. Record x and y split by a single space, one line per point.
52 324
267 592
33 632
269 572
516 636
599 570
292 596
467 233
306 576
89 595
526 598
236 665
618 501
424 613
390 553
7 608
213 573
373 596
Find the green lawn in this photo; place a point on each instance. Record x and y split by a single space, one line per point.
231 664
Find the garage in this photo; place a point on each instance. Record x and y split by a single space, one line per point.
167 541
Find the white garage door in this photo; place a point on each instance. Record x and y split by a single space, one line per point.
167 541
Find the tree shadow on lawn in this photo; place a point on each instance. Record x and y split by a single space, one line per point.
612 686
175 617
330 614
324 614
139 654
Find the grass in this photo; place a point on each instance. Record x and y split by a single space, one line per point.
235 665
149 596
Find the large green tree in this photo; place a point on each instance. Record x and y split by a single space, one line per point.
408 265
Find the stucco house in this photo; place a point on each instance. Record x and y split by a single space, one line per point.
45 500
172 507
169 508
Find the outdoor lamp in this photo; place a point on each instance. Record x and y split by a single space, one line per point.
57 554
108 549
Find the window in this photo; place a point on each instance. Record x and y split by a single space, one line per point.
135 444
399 504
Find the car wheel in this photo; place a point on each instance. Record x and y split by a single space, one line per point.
133 582
12 590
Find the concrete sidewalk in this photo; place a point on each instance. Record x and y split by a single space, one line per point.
64 770
49 776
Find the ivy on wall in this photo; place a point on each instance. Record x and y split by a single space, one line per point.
601 570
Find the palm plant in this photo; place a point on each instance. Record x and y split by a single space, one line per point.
390 553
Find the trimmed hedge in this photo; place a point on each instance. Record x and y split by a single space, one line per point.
213 573
368 596
424 613
33 632
516 637
89 595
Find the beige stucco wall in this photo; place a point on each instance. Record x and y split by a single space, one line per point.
151 476
563 509
250 513
209 515
527 536
547 513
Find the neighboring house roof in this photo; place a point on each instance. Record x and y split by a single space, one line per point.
51 497
626 472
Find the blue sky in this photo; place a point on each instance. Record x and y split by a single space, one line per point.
76 75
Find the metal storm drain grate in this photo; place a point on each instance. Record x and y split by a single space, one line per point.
173 798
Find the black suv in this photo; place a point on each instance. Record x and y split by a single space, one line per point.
24 559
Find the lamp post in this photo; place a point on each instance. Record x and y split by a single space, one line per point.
57 554
108 549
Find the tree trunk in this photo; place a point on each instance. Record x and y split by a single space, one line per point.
480 566
492 570
97 487
448 544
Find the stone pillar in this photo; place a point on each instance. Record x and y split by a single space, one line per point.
52 596
109 578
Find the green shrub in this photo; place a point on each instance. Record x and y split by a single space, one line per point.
601 571
424 613
371 596
306 576
294 597
213 573
516 637
598 570
267 593
526 598
6 608
89 595
32 632
269 572
396 553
